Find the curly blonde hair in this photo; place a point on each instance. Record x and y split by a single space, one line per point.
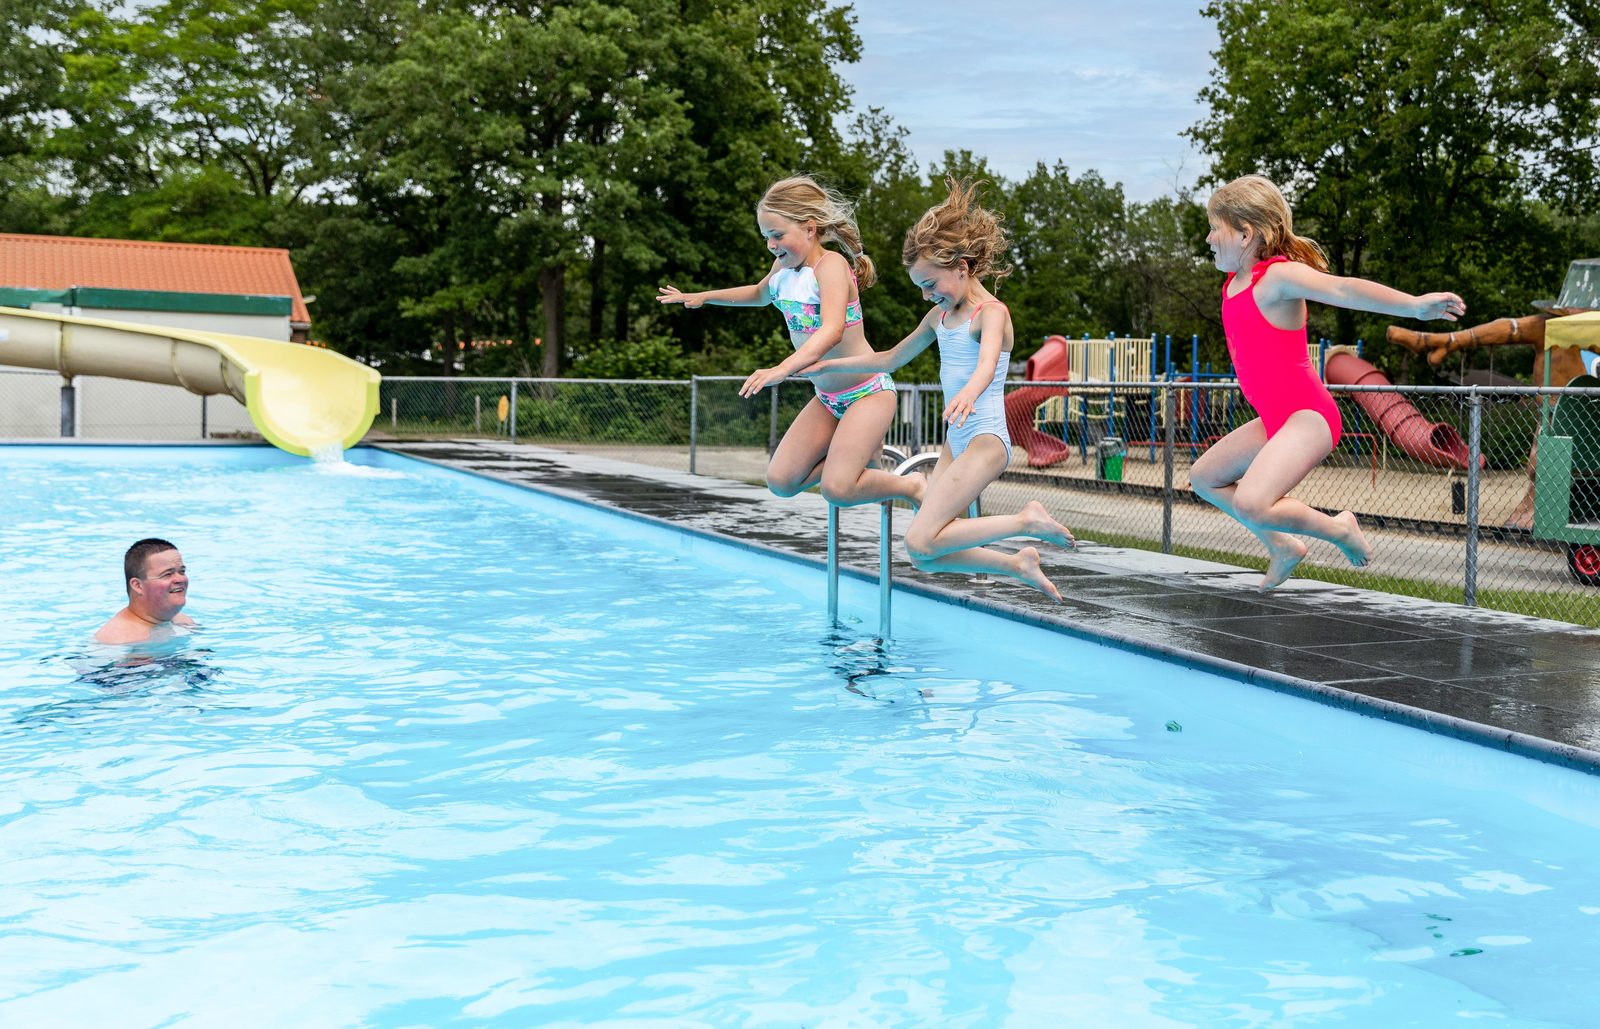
960 229
1255 201
801 199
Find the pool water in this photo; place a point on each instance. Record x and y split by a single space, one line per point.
448 752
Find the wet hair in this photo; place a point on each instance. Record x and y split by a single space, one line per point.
138 556
959 229
800 199
1255 202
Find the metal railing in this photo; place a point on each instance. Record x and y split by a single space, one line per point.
903 466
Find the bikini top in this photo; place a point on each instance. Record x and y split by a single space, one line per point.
795 292
958 354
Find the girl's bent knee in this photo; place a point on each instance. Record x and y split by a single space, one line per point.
784 488
835 492
920 548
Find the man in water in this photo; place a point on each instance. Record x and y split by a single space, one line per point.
158 587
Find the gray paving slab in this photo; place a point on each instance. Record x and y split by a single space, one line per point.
1519 683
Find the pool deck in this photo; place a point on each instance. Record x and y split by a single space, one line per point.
1523 684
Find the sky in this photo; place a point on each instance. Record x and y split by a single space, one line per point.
1107 85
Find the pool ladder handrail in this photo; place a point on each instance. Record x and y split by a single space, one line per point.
903 466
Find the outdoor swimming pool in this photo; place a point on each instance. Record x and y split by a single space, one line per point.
448 751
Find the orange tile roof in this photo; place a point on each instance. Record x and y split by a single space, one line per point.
61 262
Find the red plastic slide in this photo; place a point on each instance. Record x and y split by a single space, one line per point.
1433 443
1048 364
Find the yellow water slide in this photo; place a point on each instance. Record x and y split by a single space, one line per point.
302 399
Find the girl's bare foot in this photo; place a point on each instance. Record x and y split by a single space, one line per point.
1283 555
919 490
1028 571
1036 522
1355 546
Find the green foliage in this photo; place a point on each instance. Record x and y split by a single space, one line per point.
452 171
1412 137
652 357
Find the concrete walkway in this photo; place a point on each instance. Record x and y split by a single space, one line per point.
1523 684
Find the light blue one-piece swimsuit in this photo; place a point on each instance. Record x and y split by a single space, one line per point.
958 359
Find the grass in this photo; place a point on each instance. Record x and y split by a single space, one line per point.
1578 608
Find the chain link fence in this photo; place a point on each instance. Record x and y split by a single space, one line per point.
32 406
1441 478
1487 496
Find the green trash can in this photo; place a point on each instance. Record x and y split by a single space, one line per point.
1108 453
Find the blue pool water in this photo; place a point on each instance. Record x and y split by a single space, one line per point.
452 753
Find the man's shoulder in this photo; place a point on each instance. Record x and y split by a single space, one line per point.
122 628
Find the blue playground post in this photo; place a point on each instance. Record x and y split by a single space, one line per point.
1111 394
1194 394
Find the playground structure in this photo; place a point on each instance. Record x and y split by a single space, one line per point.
1563 331
305 400
1075 397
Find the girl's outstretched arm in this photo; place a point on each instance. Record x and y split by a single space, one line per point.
734 296
1291 280
889 360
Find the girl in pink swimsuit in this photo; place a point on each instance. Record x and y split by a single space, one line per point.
838 435
1271 274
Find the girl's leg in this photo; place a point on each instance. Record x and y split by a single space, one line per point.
1260 497
796 465
1215 475
955 485
849 475
1247 476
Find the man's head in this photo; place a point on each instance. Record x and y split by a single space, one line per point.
157 582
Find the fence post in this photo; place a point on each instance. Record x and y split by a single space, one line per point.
394 414
694 416
69 408
772 422
513 425
1170 416
477 412
1469 587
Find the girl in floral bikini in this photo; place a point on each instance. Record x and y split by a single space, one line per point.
839 433
1249 472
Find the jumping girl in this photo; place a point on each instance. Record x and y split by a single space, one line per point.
950 249
839 432
1249 471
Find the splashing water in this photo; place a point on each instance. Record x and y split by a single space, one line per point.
328 453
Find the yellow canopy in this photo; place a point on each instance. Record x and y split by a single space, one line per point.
1575 330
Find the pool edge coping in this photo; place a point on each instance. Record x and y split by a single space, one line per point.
1507 740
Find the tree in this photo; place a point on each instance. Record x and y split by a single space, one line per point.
1409 135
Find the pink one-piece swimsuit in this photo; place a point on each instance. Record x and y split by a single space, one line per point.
1273 365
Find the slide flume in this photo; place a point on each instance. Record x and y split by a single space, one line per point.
302 399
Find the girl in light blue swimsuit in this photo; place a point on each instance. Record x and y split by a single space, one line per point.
839 433
947 254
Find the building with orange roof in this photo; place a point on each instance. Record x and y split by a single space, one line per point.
251 291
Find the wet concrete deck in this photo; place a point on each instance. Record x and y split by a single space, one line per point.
1528 685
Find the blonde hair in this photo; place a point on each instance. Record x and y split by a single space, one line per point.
1254 201
956 230
801 199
